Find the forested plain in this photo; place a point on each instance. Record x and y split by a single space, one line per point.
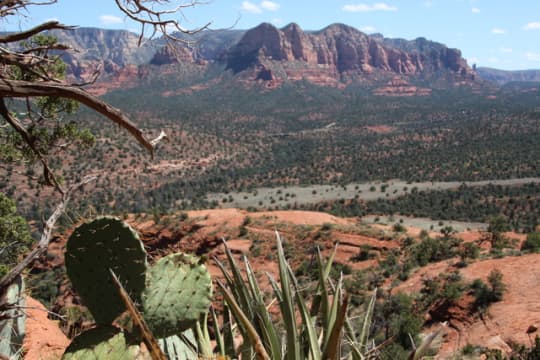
226 135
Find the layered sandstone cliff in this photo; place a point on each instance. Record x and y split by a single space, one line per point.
339 50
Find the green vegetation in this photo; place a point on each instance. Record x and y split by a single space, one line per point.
15 238
439 293
226 137
396 317
173 294
248 138
488 294
434 249
506 207
175 300
532 243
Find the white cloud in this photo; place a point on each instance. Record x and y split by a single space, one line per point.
498 31
277 21
270 5
368 29
506 50
368 8
110 20
532 26
265 5
251 7
428 3
493 60
531 56
475 10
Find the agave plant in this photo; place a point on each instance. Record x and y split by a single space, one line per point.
313 324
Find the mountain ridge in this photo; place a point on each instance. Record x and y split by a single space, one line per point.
112 51
334 55
338 50
502 77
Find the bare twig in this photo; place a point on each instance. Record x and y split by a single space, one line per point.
12 7
160 137
45 236
157 17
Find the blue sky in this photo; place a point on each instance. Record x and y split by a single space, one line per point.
496 33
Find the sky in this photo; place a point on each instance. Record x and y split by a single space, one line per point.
502 34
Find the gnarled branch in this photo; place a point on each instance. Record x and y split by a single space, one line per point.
158 17
23 89
23 35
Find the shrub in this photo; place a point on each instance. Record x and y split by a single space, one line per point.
432 250
532 243
468 349
400 319
469 251
497 286
15 238
452 291
398 227
486 295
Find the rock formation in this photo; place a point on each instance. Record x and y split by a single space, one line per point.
338 51
335 56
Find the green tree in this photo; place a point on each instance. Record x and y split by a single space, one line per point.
532 243
484 294
400 320
15 239
469 251
497 226
497 285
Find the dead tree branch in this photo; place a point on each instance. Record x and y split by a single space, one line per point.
45 236
23 89
158 17
23 35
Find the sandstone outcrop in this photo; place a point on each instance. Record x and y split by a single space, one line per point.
337 52
334 56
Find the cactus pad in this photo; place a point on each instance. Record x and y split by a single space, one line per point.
103 343
94 248
178 290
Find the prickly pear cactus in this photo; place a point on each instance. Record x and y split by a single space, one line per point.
103 343
178 291
94 248
12 325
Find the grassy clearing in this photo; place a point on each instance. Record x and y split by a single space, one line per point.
288 196
424 223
